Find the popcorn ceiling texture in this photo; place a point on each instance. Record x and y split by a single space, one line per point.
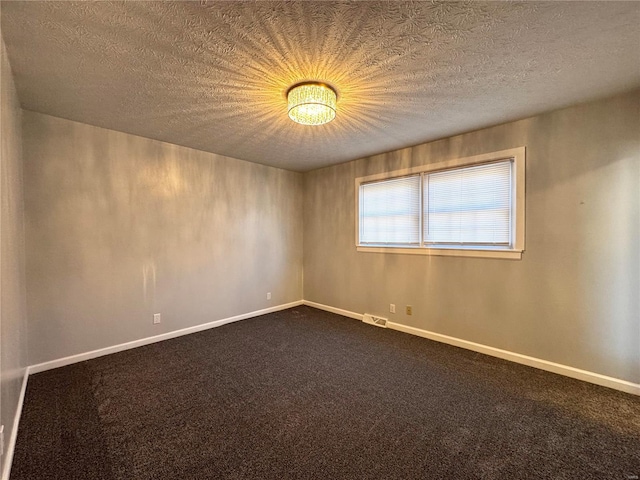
213 75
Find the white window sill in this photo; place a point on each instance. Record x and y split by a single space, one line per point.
450 252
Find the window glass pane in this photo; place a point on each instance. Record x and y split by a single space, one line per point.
470 205
390 212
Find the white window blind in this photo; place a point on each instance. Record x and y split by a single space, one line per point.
390 212
469 206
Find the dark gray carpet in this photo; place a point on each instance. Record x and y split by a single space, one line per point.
305 394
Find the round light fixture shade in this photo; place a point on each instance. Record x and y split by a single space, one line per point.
312 103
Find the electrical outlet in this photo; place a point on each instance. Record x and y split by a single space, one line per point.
268 295
409 310
392 307
156 318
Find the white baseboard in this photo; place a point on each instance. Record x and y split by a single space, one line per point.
339 311
584 375
11 446
81 357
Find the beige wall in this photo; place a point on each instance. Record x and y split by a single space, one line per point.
13 350
572 299
119 227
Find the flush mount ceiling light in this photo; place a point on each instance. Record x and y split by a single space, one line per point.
312 103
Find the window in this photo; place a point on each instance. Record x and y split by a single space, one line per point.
390 212
469 207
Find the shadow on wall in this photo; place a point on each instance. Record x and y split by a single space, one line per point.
121 227
572 299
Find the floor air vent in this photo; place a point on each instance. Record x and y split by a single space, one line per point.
373 320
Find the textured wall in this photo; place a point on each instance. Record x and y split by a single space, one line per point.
13 350
574 296
119 227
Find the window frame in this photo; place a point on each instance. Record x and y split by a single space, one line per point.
516 155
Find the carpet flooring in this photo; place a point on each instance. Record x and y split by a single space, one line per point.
306 394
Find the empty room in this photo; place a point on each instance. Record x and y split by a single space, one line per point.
391 240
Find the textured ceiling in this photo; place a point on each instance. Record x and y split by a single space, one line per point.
213 75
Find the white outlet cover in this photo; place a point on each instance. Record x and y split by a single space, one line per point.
156 318
392 308
268 295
